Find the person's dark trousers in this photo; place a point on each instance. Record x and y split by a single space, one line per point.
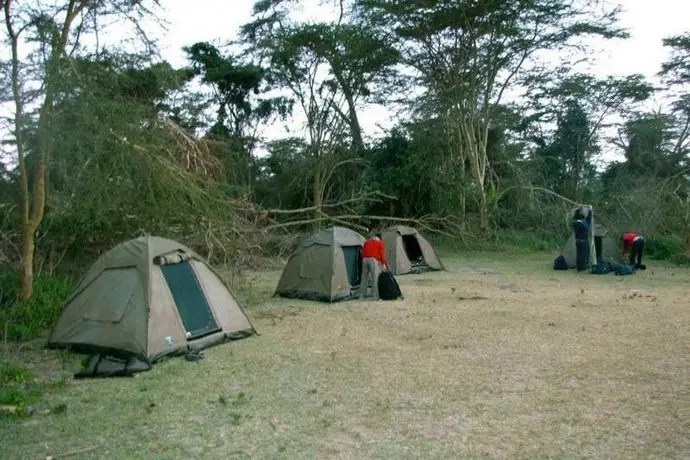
582 254
636 252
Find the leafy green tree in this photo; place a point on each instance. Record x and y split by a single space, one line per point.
41 35
355 59
468 54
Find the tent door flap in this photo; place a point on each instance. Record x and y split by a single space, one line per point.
190 300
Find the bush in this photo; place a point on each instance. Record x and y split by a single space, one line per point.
15 389
27 319
667 248
532 241
11 373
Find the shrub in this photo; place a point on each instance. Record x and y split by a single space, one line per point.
27 319
666 248
11 373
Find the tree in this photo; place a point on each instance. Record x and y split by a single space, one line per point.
567 161
299 69
356 59
52 32
676 73
468 54
239 96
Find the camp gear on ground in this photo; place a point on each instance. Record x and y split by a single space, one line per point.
326 266
388 286
407 251
617 269
623 269
601 269
145 299
371 269
559 263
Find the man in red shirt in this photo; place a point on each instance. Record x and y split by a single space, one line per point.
634 242
373 262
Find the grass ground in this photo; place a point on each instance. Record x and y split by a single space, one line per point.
499 357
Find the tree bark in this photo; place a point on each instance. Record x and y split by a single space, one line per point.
33 205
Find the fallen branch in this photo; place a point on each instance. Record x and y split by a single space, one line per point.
426 223
73 453
368 197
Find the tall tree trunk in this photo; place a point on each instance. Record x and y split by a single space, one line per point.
355 127
28 245
319 190
351 117
475 147
33 205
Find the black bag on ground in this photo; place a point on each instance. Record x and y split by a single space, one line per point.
389 289
560 264
623 269
601 269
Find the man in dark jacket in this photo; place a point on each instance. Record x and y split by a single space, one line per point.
582 219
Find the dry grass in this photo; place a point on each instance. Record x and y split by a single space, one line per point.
481 361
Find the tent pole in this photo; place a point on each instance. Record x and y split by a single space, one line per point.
592 246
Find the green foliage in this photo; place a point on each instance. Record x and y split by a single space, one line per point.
667 248
17 389
530 241
677 68
30 318
12 373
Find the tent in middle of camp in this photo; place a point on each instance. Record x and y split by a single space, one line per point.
326 266
407 251
604 244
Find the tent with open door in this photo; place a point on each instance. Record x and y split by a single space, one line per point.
142 300
326 266
407 251
605 246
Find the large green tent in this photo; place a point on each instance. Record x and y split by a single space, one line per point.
326 266
604 246
142 300
407 251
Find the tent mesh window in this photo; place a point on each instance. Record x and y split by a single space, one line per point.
353 264
190 300
412 249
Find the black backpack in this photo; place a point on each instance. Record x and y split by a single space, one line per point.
560 264
389 289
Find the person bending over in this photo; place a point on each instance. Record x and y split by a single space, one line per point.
373 262
635 243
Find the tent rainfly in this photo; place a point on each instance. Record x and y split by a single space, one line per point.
145 299
326 266
407 251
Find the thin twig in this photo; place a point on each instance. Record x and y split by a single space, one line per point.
72 453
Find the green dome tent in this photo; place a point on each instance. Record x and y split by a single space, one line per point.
326 266
604 245
142 300
407 251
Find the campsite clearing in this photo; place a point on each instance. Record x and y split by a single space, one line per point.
499 356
